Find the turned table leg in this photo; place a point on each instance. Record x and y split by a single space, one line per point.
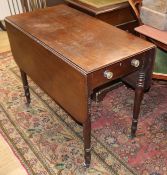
139 92
2 26
25 86
87 137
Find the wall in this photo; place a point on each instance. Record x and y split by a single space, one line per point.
6 11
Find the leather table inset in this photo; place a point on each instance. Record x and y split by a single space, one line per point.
68 54
101 4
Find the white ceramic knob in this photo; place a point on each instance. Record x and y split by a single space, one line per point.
135 63
108 74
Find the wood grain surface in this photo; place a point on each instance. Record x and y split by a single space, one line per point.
90 45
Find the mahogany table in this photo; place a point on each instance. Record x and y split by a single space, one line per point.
118 14
66 54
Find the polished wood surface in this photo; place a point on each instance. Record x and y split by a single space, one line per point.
32 56
136 4
100 10
66 54
119 15
9 162
159 37
75 45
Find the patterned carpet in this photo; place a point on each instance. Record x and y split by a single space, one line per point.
48 142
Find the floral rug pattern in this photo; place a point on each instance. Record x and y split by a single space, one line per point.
48 142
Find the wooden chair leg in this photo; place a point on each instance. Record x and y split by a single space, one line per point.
139 92
25 86
87 139
2 26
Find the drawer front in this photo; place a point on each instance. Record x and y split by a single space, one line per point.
117 17
115 71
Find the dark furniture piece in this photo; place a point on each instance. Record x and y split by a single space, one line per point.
119 15
2 26
31 5
50 3
158 37
69 58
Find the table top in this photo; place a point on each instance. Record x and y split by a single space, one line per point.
153 33
79 39
98 7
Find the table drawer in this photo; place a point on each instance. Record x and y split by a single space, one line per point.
116 70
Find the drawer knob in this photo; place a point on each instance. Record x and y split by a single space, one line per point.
135 63
108 74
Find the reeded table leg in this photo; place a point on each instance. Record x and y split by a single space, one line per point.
25 86
139 92
87 137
